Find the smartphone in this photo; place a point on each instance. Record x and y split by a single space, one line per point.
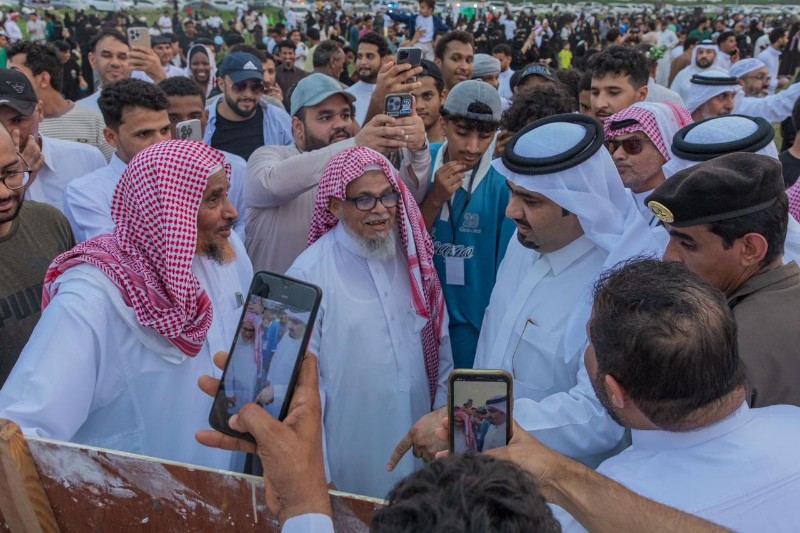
268 349
412 56
399 105
479 409
189 130
139 37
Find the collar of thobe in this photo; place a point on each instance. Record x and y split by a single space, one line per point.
761 281
643 209
670 440
563 258
117 165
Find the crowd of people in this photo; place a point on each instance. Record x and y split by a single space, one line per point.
593 203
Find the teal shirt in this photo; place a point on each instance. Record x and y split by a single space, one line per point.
477 232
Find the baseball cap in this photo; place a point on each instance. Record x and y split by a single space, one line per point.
537 69
16 92
315 88
466 93
429 68
241 66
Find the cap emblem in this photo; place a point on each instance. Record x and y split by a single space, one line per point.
249 66
661 211
18 87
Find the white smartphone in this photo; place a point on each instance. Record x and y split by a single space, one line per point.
189 130
139 37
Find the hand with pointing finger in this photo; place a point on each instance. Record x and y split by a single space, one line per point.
422 438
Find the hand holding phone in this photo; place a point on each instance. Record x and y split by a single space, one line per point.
267 352
399 105
479 410
412 56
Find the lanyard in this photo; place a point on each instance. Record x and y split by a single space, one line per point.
455 222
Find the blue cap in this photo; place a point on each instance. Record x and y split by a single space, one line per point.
314 89
241 66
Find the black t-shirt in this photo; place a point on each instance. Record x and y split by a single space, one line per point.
240 138
791 168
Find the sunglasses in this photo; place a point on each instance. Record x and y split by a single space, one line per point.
632 146
254 86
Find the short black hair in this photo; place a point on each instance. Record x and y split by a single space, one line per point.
313 34
504 49
621 61
430 3
481 126
667 337
612 35
107 33
40 58
126 94
182 86
470 493
286 43
455 35
690 42
232 39
324 52
259 54
776 34
377 40
539 101
771 223
570 78
724 36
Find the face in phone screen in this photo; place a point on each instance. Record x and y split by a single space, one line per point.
263 359
479 415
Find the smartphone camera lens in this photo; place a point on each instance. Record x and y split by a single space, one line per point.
403 55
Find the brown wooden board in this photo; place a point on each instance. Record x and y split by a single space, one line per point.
92 489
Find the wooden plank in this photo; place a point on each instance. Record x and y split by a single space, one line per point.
23 502
92 489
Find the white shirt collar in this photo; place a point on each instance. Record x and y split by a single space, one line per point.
117 165
563 258
639 198
663 440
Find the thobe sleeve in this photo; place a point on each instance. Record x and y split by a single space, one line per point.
309 523
573 423
773 108
49 392
445 365
274 180
87 218
415 170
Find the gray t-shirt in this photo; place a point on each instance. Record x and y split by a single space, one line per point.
39 234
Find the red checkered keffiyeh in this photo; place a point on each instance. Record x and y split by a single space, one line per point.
660 121
427 296
149 255
793 193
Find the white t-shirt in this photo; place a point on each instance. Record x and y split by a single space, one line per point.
425 23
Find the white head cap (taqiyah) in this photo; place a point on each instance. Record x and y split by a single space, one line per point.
498 402
562 158
714 137
743 67
300 316
709 84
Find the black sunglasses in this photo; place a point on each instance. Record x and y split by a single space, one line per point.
632 146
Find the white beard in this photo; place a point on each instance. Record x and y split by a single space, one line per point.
380 249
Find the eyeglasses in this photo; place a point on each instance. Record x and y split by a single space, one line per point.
254 86
17 179
368 203
631 146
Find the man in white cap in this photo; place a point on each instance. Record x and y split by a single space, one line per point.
708 139
704 57
753 76
497 415
574 219
639 140
714 93
381 331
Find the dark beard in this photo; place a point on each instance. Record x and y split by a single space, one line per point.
15 212
235 108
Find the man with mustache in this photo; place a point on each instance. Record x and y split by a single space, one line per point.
373 52
240 121
131 319
282 180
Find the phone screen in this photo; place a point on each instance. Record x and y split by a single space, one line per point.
480 410
267 352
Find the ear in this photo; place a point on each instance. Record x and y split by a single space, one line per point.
220 84
436 60
92 60
754 249
334 205
641 94
615 392
298 131
44 80
111 136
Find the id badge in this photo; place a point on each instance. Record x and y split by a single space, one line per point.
454 270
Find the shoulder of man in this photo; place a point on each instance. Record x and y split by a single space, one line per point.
48 222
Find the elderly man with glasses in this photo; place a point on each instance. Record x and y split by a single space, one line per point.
241 121
32 234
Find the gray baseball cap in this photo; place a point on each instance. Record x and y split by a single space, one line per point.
314 89
466 93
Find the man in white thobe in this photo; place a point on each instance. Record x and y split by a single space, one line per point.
114 361
574 219
497 414
704 56
696 447
381 330
282 364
